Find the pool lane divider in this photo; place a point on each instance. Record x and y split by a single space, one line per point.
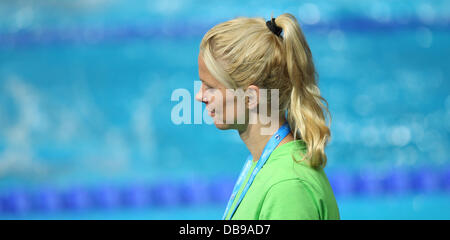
179 30
201 192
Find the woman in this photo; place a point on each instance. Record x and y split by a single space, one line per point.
283 177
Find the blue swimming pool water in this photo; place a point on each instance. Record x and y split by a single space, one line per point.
85 95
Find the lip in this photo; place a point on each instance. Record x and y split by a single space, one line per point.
211 112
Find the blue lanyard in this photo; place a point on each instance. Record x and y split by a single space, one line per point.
268 149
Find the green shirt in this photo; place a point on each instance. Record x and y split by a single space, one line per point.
284 189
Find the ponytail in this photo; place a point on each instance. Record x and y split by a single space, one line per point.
305 111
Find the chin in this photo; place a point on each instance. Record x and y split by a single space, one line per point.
227 126
223 126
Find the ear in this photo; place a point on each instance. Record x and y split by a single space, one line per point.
252 97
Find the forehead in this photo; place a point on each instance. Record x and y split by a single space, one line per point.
202 69
204 73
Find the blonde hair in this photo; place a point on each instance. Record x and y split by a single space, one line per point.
243 52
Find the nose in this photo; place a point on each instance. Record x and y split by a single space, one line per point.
199 96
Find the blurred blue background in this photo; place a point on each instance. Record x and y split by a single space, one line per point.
85 88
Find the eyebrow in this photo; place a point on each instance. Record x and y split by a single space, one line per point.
203 81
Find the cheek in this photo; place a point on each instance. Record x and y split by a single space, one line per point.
218 104
230 108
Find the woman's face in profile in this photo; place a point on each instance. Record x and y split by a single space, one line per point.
213 94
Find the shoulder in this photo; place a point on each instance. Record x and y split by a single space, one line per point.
286 167
290 189
290 199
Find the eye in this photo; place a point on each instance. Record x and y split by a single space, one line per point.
207 86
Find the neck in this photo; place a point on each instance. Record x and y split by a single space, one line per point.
256 142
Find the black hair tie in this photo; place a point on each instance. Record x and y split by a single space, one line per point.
273 27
